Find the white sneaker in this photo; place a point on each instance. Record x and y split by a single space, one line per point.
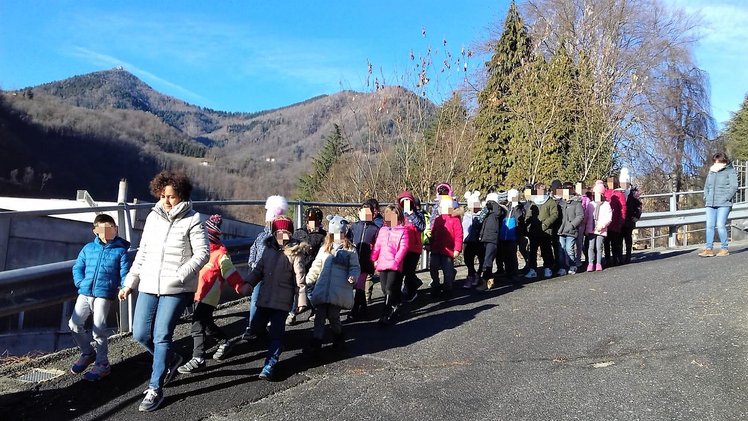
572 270
561 272
531 274
547 273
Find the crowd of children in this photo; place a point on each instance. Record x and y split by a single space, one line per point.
329 271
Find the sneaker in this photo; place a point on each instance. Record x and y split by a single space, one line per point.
195 364
706 253
531 274
590 268
152 400
561 272
291 320
722 252
222 350
266 373
98 372
598 268
172 369
82 364
572 270
547 273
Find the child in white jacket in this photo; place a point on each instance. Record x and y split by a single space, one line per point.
333 274
598 216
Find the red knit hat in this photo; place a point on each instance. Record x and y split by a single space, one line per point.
281 223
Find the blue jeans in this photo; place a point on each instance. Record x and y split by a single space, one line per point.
716 216
566 252
154 321
253 304
277 319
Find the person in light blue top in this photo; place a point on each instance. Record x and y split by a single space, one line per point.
719 194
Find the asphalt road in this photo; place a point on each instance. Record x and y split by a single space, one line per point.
661 338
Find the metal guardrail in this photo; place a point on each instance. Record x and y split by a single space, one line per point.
51 284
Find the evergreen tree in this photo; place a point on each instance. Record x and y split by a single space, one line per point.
491 161
330 153
736 133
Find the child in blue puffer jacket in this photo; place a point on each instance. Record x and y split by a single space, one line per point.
98 273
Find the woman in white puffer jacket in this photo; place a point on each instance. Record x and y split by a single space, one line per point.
172 250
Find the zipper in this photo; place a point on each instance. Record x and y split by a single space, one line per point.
96 272
163 251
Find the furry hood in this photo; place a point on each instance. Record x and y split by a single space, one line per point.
293 248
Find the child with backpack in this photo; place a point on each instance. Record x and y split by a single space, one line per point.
510 230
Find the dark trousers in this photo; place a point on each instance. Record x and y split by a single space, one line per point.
410 264
508 251
489 255
545 244
204 328
473 250
274 335
392 283
613 248
447 265
628 240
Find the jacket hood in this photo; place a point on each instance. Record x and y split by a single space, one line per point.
494 206
177 212
293 247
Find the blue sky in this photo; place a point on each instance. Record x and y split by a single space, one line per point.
249 55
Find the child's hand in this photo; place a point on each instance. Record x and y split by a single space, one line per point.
351 280
455 254
245 289
123 293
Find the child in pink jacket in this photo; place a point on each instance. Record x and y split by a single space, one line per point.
598 216
389 254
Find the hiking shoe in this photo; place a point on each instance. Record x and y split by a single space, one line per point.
192 365
152 400
266 373
222 350
547 273
722 252
98 372
707 253
172 369
531 274
82 364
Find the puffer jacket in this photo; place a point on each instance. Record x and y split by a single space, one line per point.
363 235
391 247
446 236
617 201
212 276
282 273
491 216
329 276
415 223
101 268
572 216
173 249
598 216
540 216
720 187
314 239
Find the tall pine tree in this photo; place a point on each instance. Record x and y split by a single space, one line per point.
490 161
736 133
333 148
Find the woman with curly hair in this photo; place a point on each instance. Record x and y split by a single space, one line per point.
172 250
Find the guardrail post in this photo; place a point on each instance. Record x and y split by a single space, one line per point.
673 230
299 214
652 239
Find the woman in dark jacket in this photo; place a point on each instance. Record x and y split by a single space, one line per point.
719 192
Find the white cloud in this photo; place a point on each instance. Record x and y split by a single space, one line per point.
103 60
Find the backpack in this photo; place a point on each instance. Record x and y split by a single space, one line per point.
508 228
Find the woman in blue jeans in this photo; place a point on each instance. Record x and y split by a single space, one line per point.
719 193
172 250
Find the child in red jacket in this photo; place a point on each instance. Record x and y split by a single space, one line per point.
218 270
446 245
